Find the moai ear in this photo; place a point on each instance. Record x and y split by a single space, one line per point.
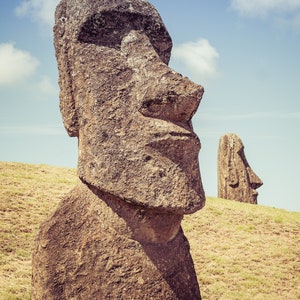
67 101
233 179
68 105
62 50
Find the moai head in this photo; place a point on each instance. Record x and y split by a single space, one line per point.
236 179
130 111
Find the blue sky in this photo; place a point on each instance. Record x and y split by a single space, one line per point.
245 54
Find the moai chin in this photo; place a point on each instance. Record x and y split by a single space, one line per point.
236 179
117 235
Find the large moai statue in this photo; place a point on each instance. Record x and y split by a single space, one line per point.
118 234
236 179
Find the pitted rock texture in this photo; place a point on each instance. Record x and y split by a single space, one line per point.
93 247
118 235
131 112
236 179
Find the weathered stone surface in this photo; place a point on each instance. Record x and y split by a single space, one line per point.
130 110
236 179
117 235
97 246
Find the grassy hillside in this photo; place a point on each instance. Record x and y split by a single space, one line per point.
240 251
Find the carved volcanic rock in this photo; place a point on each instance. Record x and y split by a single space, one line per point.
93 247
130 111
117 235
236 180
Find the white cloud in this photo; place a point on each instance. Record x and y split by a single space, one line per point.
41 11
284 12
15 65
200 58
264 7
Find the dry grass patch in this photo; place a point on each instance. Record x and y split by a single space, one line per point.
241 251
28 193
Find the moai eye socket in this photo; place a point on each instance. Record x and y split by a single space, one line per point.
108 28
105 29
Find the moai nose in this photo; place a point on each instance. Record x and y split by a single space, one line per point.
254 180
170 96
161 92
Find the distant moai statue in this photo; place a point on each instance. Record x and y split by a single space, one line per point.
236 179
118 234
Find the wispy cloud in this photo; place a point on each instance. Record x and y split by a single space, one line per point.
16 65
251 116
41 11
46 86
217 133
290 21
33 130
264 7
284 12
200 58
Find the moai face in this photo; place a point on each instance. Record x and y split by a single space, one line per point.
236 179
130 111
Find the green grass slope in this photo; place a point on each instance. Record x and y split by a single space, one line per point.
240 251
